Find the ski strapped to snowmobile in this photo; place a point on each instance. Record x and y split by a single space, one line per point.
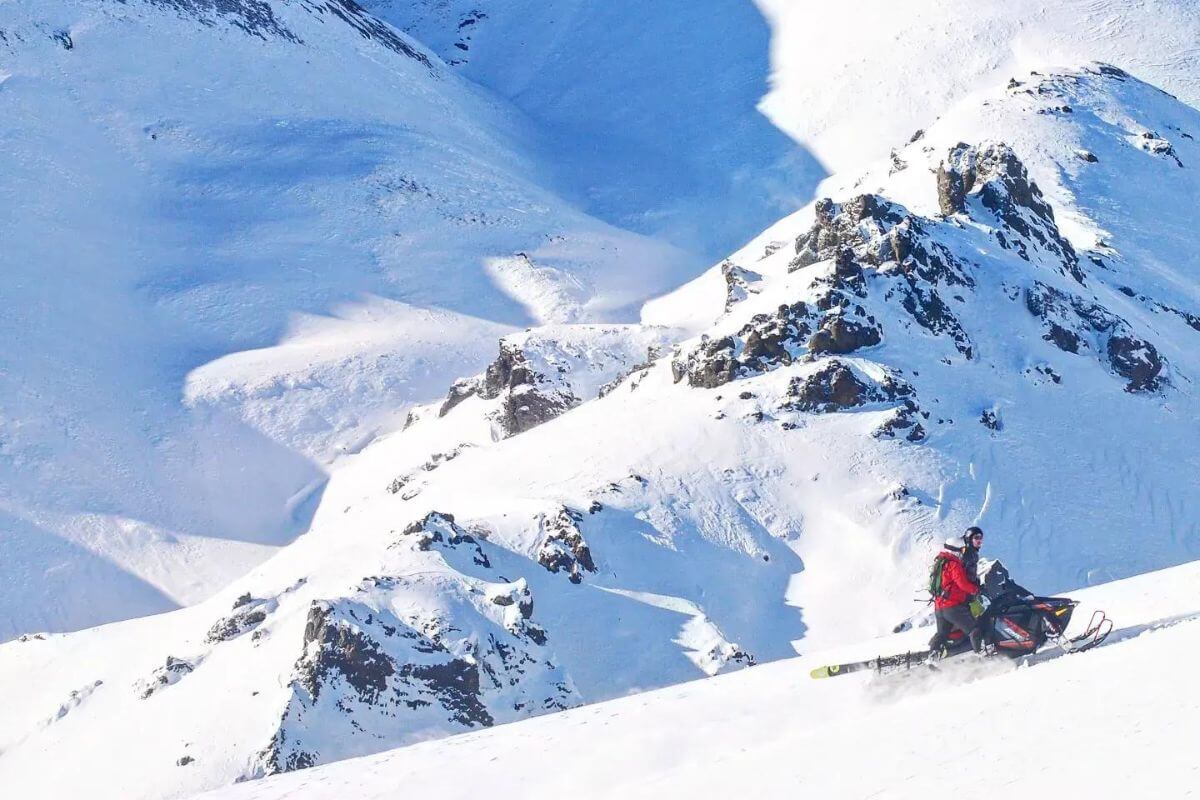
1017 623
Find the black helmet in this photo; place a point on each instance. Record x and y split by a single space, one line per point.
970 535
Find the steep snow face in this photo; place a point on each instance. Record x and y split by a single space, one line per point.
243 238
650 110
772 732
992 327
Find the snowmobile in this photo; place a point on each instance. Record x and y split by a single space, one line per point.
1017 624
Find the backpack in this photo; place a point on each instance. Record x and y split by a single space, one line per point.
935 577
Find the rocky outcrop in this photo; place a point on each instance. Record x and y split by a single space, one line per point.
839 227
542 373
740 283
248 614
905 423
525 408
995 175
438 530
839 336
836 386
527 397
170 673
1154 144
1075 325
1135 360
906 261
711 364
377 669
563 548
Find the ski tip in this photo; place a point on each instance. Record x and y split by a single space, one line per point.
825 672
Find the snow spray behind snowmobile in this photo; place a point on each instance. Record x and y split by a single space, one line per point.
1017 622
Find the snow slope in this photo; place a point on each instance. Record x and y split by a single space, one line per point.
1003 336
1116 722
650 109
242 238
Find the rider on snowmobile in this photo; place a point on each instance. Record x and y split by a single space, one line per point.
955 575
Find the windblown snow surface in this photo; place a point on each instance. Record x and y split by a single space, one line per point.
1119 721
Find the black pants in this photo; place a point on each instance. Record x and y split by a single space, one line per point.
956 617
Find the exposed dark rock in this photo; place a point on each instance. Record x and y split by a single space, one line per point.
246 617
1137 361
1066 340
525 409
903 423
333 647
840 227
368 672
837 387
839 336
990 419
774 339
870 231
740 283
460 390
953 185
183 761
1156 145
282 754
563 548
1110 71
510 370
254 17
1087 156
712 364
167 675
999 179
527 398
1075 325
440 530
834 387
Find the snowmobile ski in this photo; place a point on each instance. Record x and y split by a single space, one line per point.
1098 629
882 664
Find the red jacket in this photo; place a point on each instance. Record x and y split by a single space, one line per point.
957 586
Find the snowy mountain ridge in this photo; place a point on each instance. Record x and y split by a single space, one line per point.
887 364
